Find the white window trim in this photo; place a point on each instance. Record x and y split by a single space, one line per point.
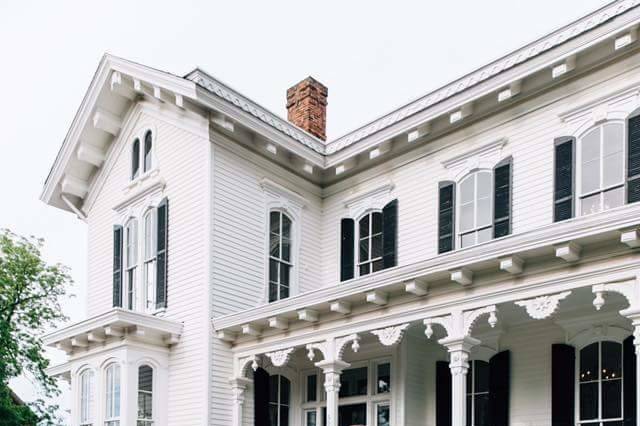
597 422
578 164
282 199
142 174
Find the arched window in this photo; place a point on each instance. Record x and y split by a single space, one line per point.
478 394
370 243
601 176
131 247
148 158
600 384
475 208
135 159
280 262
150 254
279 400
112 393
86 397
145 396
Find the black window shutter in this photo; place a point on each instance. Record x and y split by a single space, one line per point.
629 382
261 397
346 249
117 266
161 253
443 394
502 199
563 179
390 234
499 377
446 204
633 160
563 362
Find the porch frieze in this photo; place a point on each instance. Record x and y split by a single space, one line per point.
391 336
280 358
542 307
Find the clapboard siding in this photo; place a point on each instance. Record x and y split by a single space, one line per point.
184 170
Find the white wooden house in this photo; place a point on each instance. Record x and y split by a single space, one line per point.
468 259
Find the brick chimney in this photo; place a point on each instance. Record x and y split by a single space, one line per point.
307 106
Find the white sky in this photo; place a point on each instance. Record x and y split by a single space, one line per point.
373 55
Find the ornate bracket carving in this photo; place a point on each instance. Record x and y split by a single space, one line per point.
629 289
445 322
244 363
471 317
544 306
391 336
280 358
333 348
459 323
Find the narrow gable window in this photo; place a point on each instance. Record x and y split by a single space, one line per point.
135 159
148 157
280 263
502 199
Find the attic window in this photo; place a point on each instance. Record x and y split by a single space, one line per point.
142 155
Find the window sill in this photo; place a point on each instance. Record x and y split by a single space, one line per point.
140 188
140 180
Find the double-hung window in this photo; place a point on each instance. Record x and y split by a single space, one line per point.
279 400
475 208
112 393
601 168
131 248
478 394
370 243
600 384
150 251
87 379
280 262
145 396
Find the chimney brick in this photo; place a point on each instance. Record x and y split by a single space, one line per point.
307 106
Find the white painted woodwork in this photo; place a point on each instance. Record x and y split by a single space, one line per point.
562 68
462 276
227 336
251 330
106 121
460 114
416 134
113 331
379 298
74 186
512 264
340 307
416 288
119 86
630 237
568 251
509 92
222 121
308 315
625 39
91 154
279 323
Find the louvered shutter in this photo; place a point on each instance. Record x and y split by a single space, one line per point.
261 397
389 234
162 237
629 382
499 377
346 249
446 204
502 200
443 394
563 179
633 160
117 266
563 363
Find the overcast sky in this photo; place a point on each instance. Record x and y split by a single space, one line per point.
373 56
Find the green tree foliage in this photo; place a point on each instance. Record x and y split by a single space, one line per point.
30 295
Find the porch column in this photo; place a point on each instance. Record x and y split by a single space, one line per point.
459 349
332 371
238 387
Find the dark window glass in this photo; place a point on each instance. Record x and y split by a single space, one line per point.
601 378
311 418
312 388
478 394
279 256
364 227
383 415
279 395
611 360
611 399
135 159
353 382
349 415
589 363
370 243
384 378
481 376
481 410
273 389
148 162
588 401
145 393
145 378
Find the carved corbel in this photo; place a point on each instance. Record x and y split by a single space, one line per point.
544 306
471 317
280 358
391 336
629 289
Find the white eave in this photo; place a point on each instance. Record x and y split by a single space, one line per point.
116 323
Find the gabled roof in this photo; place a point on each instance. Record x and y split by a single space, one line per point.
118 84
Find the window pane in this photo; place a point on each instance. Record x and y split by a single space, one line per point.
273 389
466 217
467 240
613 138
376 246
311 418
469 409
470 378
273 270
364 226
611 360
467 189
147 151
590 204
588 401
613 166
591 146
384 378
377 223
377 266
135 159
286 226
481 376
364 250
273 415
353 382
383 415
611 399
285 390
352 415
145 378
484 184
481 410
286 249
274 245
483 215
484 235
273 292
613 198
589 363
284 415
274 223
312 388
590 176
365 269
284 292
